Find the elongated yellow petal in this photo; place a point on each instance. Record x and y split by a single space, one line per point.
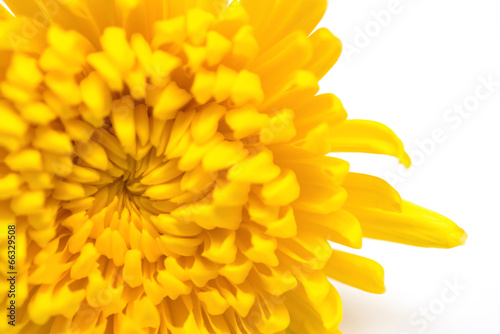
122 116
327 49
414 226
367 191
367 137
339 226
357 271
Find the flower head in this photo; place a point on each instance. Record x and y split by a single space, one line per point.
164 163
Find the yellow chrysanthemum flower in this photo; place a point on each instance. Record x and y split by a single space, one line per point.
164 165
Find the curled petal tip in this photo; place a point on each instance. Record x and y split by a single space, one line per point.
405 160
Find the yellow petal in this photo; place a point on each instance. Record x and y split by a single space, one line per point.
256 169
247 88
224 82
281 191
123 118
246 121
198 22
28 202
220 246
231 194
368 137
12 124
224 155
210 216
202 89
23 70
213 301
217 47
97 96
9 185
357 271
106 68
171 100
205 122
240 297
367 191
25 160
280 129
52 141
36 113
339 226
320 199
85 262
93 153
327 49
414 226
146 314
114 43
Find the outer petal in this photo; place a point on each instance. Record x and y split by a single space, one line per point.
327 49
357 271
414 226
368 137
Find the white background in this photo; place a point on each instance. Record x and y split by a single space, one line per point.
409 73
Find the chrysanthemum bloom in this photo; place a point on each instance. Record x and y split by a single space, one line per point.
164 165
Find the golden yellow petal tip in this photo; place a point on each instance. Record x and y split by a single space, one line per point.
405 160
379 280
460 237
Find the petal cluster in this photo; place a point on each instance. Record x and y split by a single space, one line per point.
164 163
